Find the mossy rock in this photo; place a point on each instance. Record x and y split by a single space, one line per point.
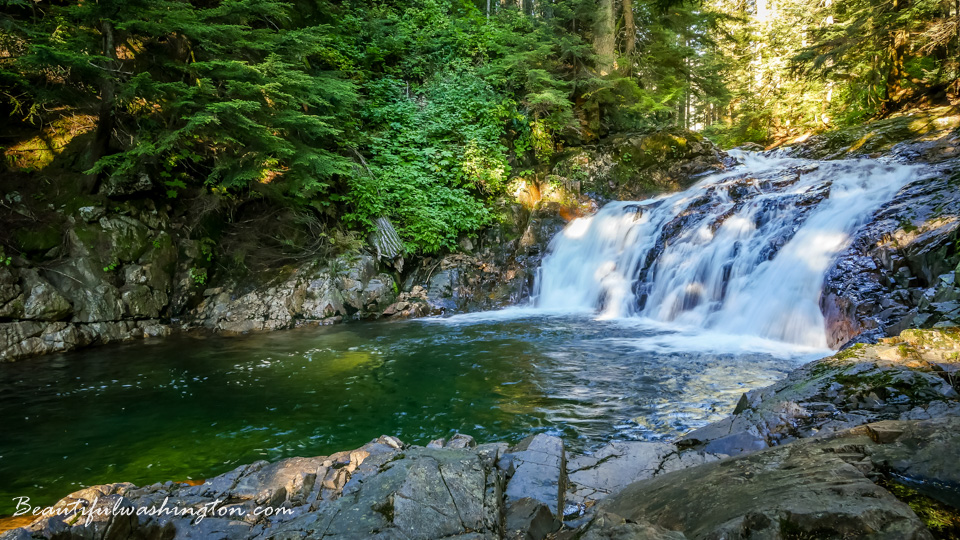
881 135
39 239
161 253
637 166
115 239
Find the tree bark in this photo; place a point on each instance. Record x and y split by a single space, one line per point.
893 90
604 40
105 117
630 29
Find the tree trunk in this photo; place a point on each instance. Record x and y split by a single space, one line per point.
105 118
488 10
630 29
682 110
893 90
604 40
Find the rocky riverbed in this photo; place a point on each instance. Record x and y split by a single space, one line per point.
862 444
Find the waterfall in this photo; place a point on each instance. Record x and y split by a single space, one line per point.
741 252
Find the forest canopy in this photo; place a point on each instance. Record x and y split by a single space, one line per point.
423 113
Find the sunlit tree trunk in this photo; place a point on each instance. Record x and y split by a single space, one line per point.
604 41
630 29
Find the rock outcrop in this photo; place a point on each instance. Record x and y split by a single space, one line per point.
313 292
634 167
903 378
900 270
808 489
111 276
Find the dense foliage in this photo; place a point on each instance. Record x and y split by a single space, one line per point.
353 110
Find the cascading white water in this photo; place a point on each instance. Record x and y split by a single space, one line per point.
742 252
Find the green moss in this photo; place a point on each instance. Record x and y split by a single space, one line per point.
942 520
88 235
850 352
39 239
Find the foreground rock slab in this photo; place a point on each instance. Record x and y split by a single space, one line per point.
808 489
591 478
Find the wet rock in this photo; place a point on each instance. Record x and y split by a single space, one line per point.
460 440
895 273
23 339
539 464
920 454
545 222
529 519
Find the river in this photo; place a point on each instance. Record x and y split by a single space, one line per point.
650 319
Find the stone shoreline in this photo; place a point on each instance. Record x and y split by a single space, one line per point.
812 456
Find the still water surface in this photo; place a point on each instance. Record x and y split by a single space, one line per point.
191 407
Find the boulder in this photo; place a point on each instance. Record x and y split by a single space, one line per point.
808 489
87 287
43 301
